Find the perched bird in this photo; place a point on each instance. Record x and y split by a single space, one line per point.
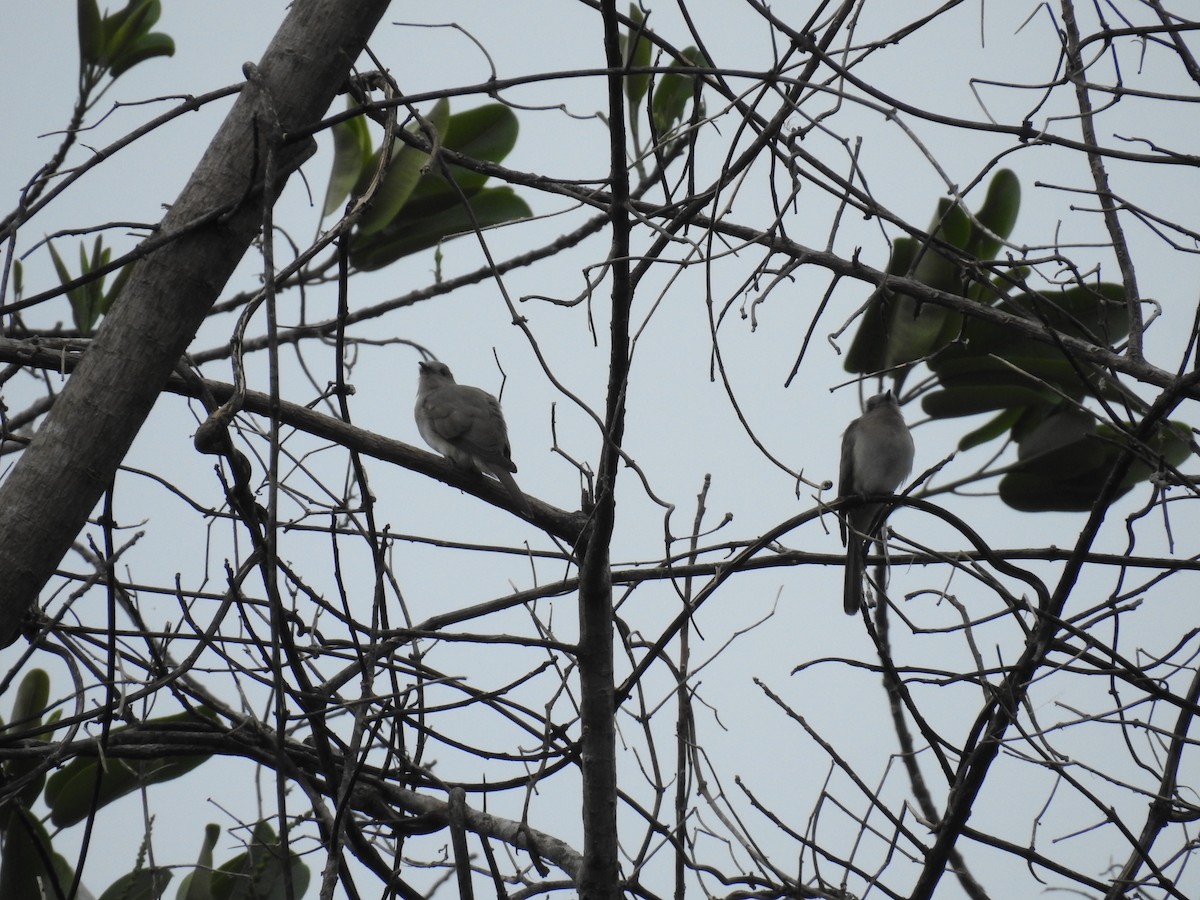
877 455
466 426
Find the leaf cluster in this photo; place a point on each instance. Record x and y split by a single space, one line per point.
1036 391
116 42
667 98
89 300
29 865
422 201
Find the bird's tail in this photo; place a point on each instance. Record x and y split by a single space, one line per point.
510 484
853 591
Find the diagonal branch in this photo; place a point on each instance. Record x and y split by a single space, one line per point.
56 484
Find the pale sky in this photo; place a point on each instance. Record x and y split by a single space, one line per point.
682 424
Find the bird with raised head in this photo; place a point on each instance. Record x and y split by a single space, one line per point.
466 426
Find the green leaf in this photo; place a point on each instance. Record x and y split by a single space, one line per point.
897 328
992 354
257 874
402 176
144 13
637 58
86 299
33 695
486 133
62 871
73 794
80 297
918 329
87 265
492 206
996 427
144 884
966 370
674 90
90 32
64 274
114 292
97 259
951 223
351 153
868 350
197 884
998 214
433 209
148 46
971 401
122 28
126 39
934 268
71 791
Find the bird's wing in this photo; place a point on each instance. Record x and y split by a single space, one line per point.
470 418
846 485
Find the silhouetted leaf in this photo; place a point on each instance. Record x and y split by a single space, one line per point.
21 862
144 884
869 348
970 401
197 884
257 874
1070 478
70 790
996 427
1170 443
1095 313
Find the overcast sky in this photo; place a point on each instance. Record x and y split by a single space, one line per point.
682 424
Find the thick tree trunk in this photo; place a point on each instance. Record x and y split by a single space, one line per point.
47 498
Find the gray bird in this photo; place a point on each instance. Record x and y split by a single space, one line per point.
877 455
466 426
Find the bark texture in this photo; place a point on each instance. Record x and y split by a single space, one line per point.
46 499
